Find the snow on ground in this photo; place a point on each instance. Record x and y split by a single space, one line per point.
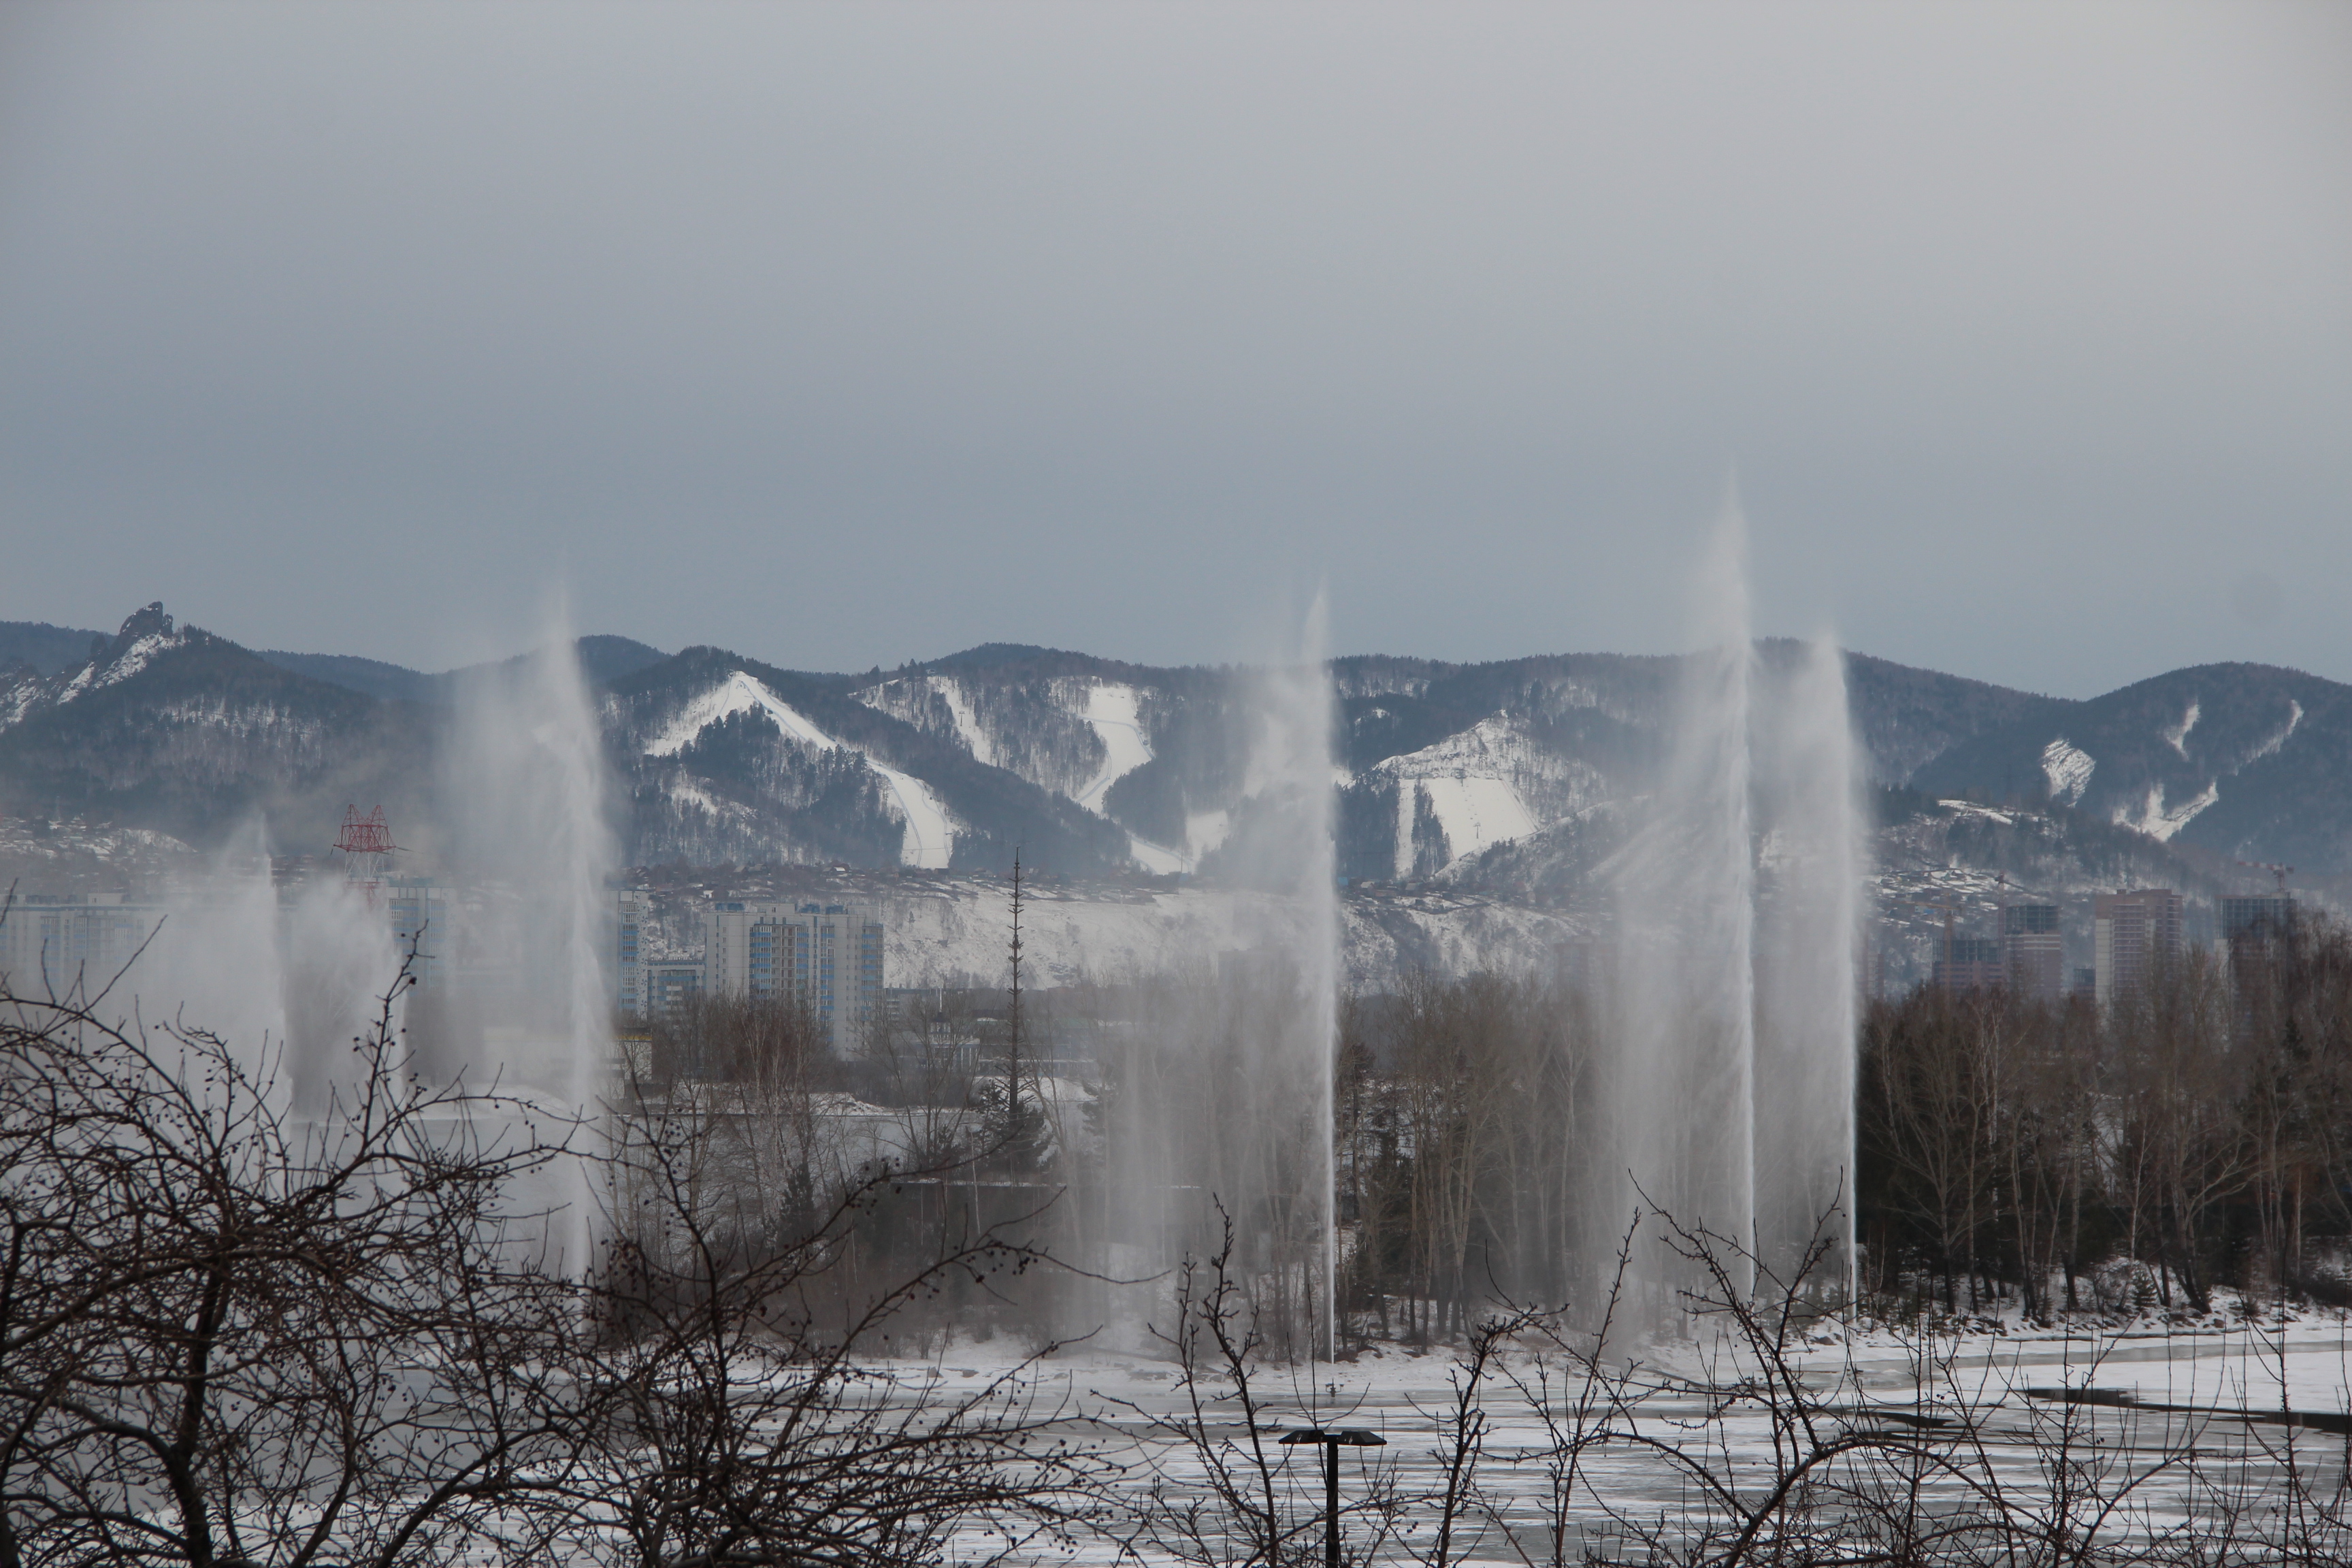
2161 824
1109 1390
1977 809
2293 717
2068 768
63 857
967 722
930 834
954 931
134 659
2176 735
685 791
1157 859
1111 710
1473 813
1474 783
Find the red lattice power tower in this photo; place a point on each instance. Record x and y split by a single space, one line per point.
367 850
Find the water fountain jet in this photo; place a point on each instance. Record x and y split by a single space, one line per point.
1730 1081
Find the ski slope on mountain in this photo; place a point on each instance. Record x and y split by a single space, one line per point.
1112 712
1485 786
930 832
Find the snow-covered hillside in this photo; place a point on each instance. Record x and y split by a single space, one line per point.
1076 736
1507 779
954 931
1488 785
147 635
2240 761
929 837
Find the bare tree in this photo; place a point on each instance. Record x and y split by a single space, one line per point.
750 1424
233 1333
1238 1503
229 1332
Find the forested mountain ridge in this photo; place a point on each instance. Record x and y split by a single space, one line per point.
175 729
1509 776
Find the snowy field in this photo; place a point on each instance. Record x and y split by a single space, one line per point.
952 931
2132 1473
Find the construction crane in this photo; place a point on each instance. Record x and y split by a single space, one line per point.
2281 872
2000 879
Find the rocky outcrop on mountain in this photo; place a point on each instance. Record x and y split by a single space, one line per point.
175 729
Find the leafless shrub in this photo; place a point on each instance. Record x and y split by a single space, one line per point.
229 1332
758 1418
1223 1491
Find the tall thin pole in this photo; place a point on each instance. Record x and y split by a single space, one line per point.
1012 1051
1330 1505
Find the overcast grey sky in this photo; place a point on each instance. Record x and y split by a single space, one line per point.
844 335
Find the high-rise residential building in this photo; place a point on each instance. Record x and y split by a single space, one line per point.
2033 954
64 946
2254 930
725 952
2265 920
828 957
1975 965
2136 936
419 914
629 971
669 985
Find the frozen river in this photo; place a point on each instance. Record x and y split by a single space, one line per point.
2143 1436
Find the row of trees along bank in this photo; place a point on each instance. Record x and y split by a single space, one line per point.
2049 1157
2195 1133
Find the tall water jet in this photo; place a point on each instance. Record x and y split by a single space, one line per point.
216 961
1291 768
340 962
525 809
1683 1088
1731 1085
1224 1100
1812 862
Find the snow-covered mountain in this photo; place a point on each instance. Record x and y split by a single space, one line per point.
2243 762
1079 736
731 761
175 731
1509 780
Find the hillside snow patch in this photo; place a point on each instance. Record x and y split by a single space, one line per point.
1476 785
2293 717
2177 736
2068 768
966 722
1473 813
2159 824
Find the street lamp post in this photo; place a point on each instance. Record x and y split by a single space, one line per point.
1333 1439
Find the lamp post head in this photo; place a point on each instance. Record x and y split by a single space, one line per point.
1336 1436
